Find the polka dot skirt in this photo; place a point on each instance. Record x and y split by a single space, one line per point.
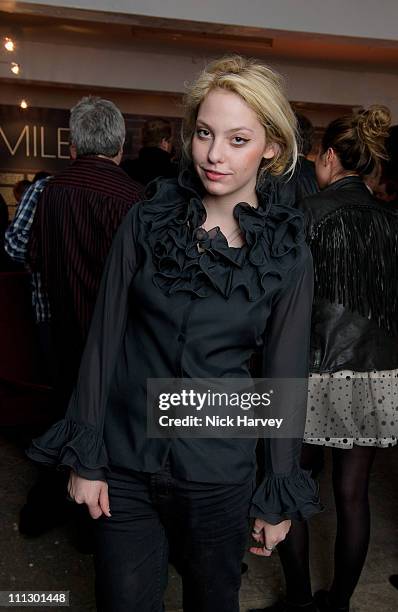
347 408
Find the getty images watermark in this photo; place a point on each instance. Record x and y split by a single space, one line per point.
229 408
268 408
215 400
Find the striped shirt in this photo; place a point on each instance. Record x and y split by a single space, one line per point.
76 218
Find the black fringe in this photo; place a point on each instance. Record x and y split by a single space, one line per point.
355 251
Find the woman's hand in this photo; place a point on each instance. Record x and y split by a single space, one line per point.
268 535
93 493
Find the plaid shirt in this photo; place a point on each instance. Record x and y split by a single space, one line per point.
16 245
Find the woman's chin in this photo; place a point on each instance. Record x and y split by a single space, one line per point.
214 188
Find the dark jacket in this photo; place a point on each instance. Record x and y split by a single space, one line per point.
290 190
150 164
305 177
354 243
76 219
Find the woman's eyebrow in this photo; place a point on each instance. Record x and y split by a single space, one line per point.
203 123
237 129
240 129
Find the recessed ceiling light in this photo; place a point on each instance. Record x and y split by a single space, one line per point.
9 44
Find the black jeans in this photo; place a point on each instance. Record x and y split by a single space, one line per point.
201 527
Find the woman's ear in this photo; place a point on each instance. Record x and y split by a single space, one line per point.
271 150
329 156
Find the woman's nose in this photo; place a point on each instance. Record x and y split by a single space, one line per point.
216 152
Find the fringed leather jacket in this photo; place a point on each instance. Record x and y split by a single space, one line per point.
354 244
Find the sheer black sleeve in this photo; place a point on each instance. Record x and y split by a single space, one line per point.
287 491
77 440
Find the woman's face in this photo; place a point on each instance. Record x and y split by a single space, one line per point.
228 146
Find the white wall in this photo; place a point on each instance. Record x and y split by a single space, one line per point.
146 71
358 18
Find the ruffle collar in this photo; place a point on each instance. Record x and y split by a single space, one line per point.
189 258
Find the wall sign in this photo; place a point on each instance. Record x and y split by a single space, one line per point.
38 138
33 139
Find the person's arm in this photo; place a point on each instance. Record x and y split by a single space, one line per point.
287 491
3 215
77 440
18 232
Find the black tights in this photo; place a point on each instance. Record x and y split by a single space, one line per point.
351 471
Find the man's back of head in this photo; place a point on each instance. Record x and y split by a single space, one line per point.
157 133
97 127
306 133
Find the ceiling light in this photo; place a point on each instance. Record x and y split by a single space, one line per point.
15 68
9 44
23 104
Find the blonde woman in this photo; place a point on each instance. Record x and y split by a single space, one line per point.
200 276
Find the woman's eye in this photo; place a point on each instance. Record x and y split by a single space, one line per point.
238 140
203 133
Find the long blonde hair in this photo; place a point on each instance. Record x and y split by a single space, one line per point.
263 91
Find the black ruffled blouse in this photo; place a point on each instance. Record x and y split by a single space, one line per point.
168 309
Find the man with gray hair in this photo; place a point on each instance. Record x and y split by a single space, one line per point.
76 217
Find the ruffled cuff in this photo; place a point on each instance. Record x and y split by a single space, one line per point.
281 497
73 445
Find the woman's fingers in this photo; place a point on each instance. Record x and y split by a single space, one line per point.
104 500
268 535
94 509
93 500
258 531
93 493
258 537
258 525
70 487
260 552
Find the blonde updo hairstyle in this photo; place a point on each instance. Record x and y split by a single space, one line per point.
263 91
359 139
